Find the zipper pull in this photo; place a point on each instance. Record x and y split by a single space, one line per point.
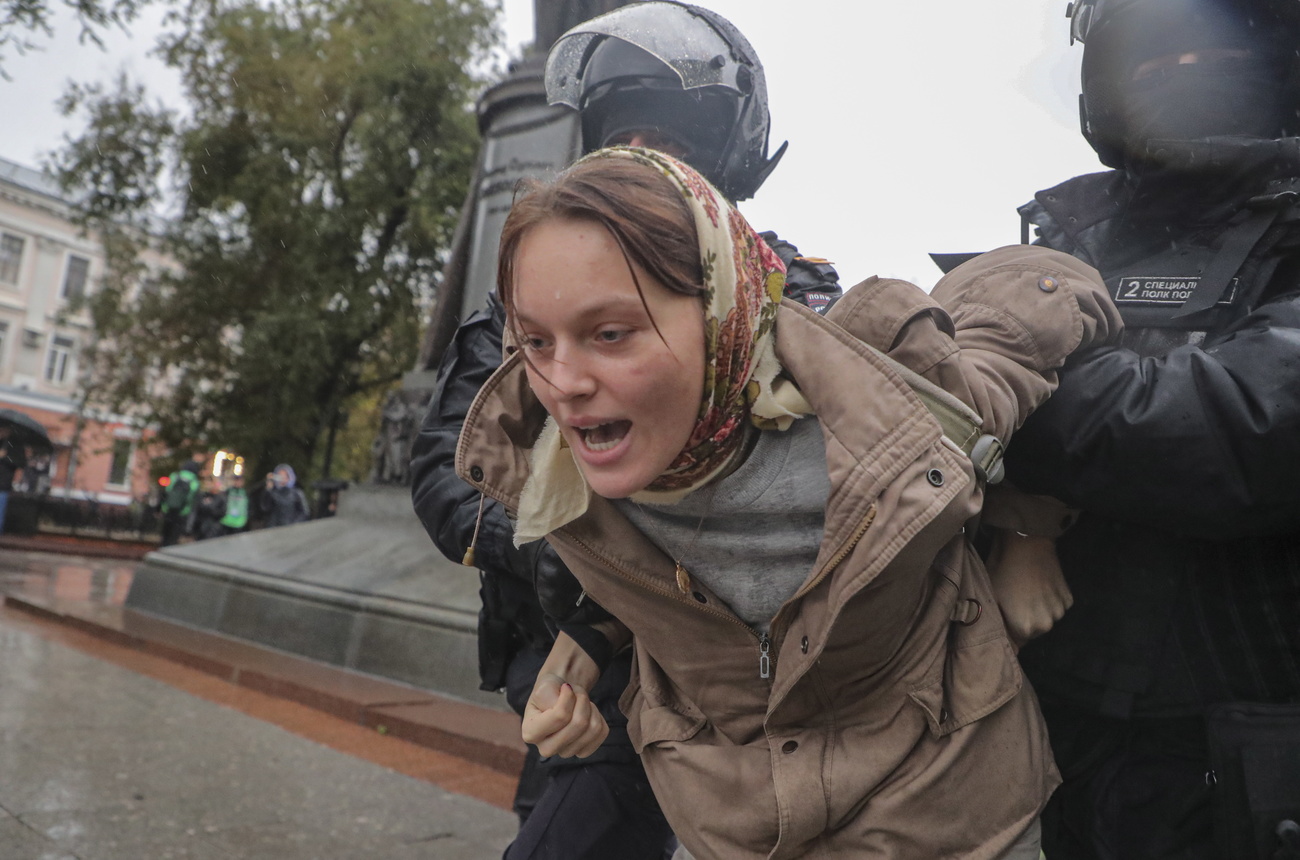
764 662
581 597
468 558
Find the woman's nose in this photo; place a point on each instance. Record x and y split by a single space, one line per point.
571 377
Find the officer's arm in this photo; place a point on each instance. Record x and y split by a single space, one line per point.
1201 442
446 505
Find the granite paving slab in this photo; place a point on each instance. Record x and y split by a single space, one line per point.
102 763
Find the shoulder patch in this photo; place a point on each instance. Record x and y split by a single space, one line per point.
818 302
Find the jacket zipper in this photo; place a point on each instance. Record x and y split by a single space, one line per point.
834 562
764 642
844 551
764 639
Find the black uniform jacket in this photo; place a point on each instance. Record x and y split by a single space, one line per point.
1181 445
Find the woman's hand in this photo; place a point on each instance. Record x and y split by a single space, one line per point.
1028 584
561 720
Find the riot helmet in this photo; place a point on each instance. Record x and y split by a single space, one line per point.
1185 70
684 74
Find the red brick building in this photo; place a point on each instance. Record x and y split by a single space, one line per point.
46 261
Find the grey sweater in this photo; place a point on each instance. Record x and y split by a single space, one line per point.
752 537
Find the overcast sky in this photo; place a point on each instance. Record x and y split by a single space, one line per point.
913 127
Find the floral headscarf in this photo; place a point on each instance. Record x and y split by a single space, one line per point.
743 283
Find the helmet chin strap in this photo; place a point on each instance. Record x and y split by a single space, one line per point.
759 176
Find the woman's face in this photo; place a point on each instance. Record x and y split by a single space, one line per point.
625 398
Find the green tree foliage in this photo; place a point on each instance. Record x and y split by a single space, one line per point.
20 20
353 450
318 168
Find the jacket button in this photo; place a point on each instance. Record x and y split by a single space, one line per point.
1048 284
935 477
789 747
943 715
475 473
701 598
803 645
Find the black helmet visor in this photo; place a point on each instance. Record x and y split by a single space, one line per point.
1086 16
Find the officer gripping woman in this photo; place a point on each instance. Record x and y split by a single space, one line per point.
1172 687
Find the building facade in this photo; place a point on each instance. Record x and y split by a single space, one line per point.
46 263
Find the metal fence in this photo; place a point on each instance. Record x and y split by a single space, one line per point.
29 514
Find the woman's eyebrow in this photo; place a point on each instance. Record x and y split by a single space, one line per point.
610 304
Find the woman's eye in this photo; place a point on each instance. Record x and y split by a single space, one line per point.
611 335
534 344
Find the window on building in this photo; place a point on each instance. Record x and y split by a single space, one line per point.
74 280
59 358
121 465
4 340
11 257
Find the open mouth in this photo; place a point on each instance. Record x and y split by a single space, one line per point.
603 437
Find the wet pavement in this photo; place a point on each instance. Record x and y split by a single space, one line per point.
53 575
108 754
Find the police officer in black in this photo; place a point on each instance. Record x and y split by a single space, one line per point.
681 79
1171 685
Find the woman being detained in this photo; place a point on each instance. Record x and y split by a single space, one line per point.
772 516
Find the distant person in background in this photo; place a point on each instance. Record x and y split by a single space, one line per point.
178 500
284 503
12 461
36 475
208 511
235 515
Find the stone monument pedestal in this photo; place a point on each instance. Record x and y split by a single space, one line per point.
365 590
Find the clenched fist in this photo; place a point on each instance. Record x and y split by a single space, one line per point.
1029 585
561 720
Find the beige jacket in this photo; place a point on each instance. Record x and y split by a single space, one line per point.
895 722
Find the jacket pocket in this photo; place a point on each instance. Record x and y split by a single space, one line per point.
978 671
662 725
650 720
